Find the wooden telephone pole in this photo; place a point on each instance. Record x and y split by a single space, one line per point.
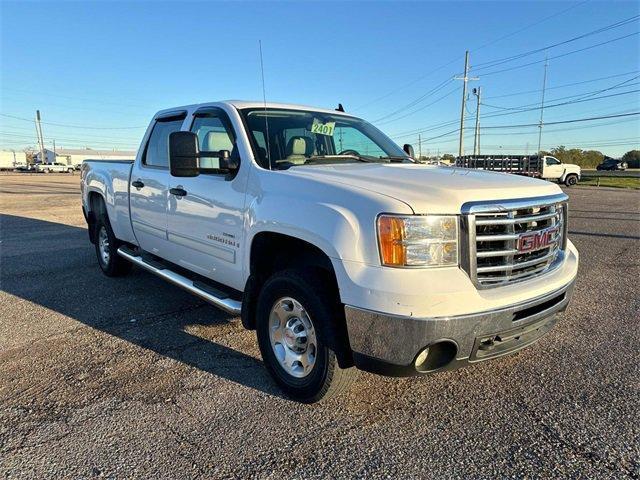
465 78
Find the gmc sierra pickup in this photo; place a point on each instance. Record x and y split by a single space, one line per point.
332 243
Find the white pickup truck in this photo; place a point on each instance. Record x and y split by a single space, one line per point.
332 243
54 167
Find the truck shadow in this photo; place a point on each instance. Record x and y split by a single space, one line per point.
53 265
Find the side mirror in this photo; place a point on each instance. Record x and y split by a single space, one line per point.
408 149
227 162
183 154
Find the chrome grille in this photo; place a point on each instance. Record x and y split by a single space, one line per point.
514 240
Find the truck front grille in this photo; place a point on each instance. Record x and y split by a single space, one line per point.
514 240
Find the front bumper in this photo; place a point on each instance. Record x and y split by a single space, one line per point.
388 344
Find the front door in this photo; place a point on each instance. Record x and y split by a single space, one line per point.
205 221
552 168
148 191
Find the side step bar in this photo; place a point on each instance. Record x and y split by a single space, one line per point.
227 304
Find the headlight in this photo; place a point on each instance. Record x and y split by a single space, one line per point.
418 241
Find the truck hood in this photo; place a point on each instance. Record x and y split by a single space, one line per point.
426 188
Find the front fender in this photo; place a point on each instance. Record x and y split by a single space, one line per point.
338 219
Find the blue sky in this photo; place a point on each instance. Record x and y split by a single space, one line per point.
109 65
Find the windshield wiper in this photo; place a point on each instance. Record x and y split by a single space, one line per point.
396 158
331 157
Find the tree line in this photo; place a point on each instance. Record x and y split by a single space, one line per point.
590 158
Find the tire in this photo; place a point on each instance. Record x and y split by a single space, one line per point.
306 310
571 180
106 244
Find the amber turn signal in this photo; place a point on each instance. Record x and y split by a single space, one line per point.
391 235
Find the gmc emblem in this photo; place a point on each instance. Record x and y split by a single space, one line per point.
528 242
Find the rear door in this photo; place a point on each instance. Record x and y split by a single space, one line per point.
205 222
148 192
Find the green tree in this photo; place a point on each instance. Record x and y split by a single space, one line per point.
577 156
632 157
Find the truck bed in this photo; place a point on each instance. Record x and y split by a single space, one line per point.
110 179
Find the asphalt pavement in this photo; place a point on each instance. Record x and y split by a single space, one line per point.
133 377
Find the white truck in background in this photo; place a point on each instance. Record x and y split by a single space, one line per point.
53 167
545 167
332 243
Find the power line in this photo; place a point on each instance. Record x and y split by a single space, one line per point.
563 121
518 110
451 62
493 63
578 96
417 100
530 25
509 126
457 89
73 126
524 92
560 56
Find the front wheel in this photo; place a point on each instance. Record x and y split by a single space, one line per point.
571 180
294 312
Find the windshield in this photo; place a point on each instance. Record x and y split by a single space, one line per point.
297 137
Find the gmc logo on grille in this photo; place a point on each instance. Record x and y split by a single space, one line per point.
528 242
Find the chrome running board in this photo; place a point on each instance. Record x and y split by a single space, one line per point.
227 304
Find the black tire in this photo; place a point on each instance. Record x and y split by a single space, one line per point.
325 379
571 180
112 265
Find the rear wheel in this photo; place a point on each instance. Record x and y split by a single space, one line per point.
293 315
571 180
112 264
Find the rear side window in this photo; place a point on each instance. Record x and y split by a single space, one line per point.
157 152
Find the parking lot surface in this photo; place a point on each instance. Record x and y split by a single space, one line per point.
133 377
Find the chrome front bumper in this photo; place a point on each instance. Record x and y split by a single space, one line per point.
389 344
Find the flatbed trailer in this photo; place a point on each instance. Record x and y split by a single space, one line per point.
529 165
545 166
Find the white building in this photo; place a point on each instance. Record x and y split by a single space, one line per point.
10 159
70 156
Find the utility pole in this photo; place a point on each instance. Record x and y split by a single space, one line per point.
419 147
476 139
55 156
465 79
40 137
544 87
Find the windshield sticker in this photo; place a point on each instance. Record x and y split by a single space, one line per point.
323 128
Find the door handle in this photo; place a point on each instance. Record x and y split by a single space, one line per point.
138 184
178 192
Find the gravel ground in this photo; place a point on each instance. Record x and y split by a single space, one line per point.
135 378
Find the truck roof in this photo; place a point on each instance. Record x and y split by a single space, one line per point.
240 104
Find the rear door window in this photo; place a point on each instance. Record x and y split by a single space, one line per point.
157 151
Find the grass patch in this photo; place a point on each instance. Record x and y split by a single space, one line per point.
612 182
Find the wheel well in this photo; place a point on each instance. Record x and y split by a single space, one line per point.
96 206
273 252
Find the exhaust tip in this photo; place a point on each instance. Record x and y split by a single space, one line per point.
436 356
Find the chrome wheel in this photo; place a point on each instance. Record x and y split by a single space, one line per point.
293 337
103 245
